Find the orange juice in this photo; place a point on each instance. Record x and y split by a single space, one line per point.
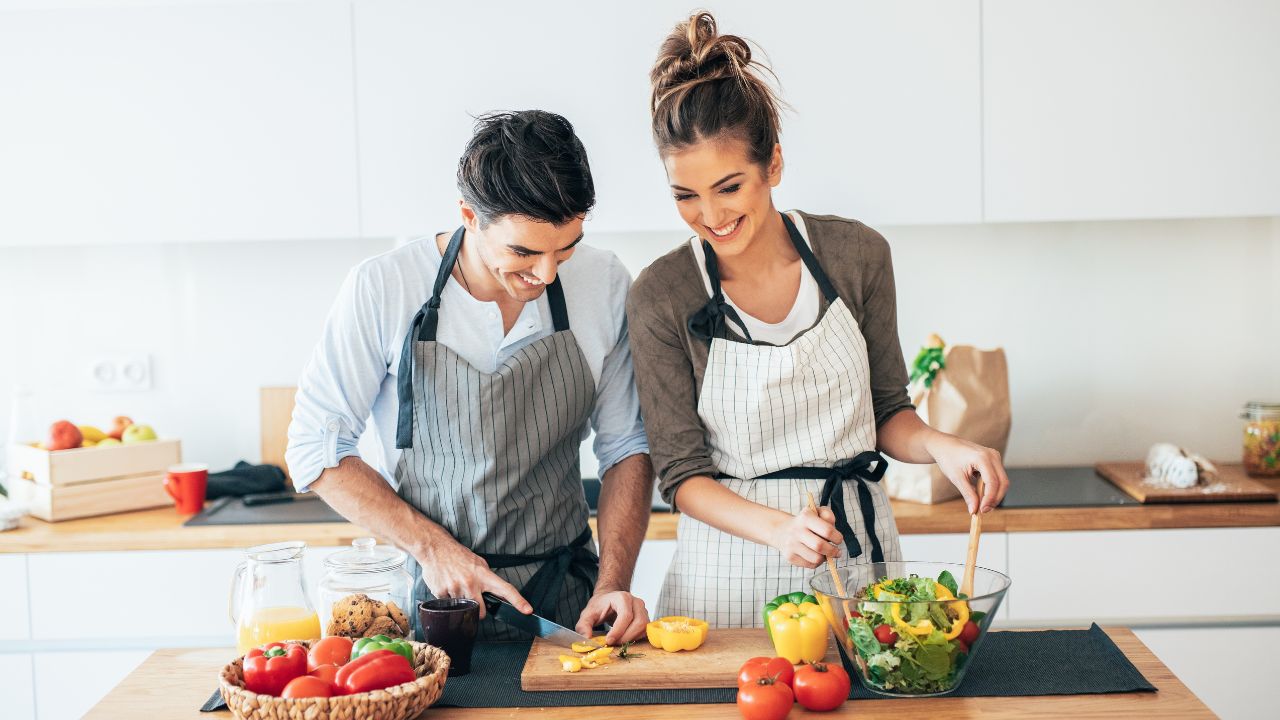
274 624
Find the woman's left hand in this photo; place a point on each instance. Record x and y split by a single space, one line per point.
960 460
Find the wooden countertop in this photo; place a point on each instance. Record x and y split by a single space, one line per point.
162 529
174 683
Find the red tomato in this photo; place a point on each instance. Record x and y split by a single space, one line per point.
307 686
886 635
963 648
821 687
333 650
328 673
765 700
969 633
765 667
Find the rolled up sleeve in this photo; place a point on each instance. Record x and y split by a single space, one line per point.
338 384
616 417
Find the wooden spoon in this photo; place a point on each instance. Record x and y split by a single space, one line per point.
835 576
975 531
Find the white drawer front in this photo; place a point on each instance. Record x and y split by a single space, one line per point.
150 594
15 619
1144 575
17 689
96 674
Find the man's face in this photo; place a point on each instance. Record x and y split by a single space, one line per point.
523 255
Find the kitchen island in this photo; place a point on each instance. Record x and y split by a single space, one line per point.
173 683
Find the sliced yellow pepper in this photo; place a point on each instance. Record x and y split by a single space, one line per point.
677 633
921 628
594 643
961 609
799 632
600 655
570 663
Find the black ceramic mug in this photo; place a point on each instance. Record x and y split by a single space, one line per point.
451 625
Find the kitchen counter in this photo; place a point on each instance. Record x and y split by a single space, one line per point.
162 529
173 683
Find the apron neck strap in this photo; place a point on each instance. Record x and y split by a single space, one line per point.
709 321
811 262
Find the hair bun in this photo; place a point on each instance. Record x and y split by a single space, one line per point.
696 52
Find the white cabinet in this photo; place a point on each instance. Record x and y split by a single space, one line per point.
95 673
1122 577
17 687
885 128
15 618
1104 109
1239 688
177 123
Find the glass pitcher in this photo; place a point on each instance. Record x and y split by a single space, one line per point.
269 600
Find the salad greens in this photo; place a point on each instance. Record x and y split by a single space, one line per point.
913 634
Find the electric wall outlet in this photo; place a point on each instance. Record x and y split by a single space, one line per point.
120 373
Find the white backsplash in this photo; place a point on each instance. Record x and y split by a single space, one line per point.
1118 334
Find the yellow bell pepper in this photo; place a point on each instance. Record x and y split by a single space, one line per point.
921 628
960 607
570 663
588 646
799 632
677 633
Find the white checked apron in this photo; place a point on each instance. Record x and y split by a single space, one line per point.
493 457
781 422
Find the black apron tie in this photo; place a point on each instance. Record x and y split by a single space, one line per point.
708 321
543 589
859 469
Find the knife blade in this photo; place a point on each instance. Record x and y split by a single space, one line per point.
532 624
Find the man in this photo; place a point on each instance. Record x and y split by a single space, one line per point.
482 371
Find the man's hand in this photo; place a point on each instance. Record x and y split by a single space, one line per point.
453 571
624 610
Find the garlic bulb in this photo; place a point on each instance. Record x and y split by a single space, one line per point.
1168 464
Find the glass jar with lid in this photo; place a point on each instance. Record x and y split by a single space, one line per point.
1262 439
366 591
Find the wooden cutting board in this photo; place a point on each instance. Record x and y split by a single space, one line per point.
714 665
1232 485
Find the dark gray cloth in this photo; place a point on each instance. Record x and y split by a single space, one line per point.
245 479
670 361
1008 664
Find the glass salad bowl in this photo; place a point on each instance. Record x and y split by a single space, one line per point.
902 627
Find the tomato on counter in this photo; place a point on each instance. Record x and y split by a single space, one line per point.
765 699
757 668
821 687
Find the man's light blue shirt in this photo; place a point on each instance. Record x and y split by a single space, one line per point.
351 377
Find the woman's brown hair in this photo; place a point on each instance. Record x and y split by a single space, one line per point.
706 86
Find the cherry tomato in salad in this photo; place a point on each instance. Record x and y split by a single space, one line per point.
969 633
765 667
885 634
765 700
821 687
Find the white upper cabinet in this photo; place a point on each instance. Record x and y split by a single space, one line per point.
1102 109
151 123
886 126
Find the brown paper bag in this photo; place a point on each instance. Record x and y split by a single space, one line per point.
969 398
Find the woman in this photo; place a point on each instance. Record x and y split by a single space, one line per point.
767 355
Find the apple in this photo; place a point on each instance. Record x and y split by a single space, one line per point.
107 442
137 434
63 435
118 425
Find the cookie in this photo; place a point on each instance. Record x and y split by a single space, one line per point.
379 609
355 612
334 628
399 617
382 626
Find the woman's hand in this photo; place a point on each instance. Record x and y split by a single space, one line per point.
960 460
807 539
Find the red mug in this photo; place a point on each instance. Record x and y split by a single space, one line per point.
187 484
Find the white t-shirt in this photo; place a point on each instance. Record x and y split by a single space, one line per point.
804 312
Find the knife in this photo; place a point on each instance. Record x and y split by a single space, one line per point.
532 624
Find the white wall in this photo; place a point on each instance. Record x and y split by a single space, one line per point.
1118 333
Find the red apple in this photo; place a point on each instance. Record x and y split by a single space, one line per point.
118 425
63 435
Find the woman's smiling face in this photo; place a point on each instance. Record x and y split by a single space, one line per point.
723 195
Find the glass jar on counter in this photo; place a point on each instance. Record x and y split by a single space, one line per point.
1262 439
366 591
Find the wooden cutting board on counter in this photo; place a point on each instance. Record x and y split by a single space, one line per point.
1232 485
714 665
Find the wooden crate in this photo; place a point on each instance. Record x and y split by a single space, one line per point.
92 464
66 502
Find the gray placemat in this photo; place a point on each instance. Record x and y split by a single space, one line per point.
1062 487
1040 662
232 511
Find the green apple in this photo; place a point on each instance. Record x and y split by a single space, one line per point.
138 433
107 442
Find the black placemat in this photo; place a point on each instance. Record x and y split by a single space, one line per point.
1039 662
233 511
1062 487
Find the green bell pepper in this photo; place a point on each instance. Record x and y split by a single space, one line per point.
794 598
364 646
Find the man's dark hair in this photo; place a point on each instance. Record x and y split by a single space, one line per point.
527 163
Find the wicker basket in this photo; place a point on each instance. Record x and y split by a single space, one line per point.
399 702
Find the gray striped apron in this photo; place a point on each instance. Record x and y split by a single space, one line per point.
494 457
